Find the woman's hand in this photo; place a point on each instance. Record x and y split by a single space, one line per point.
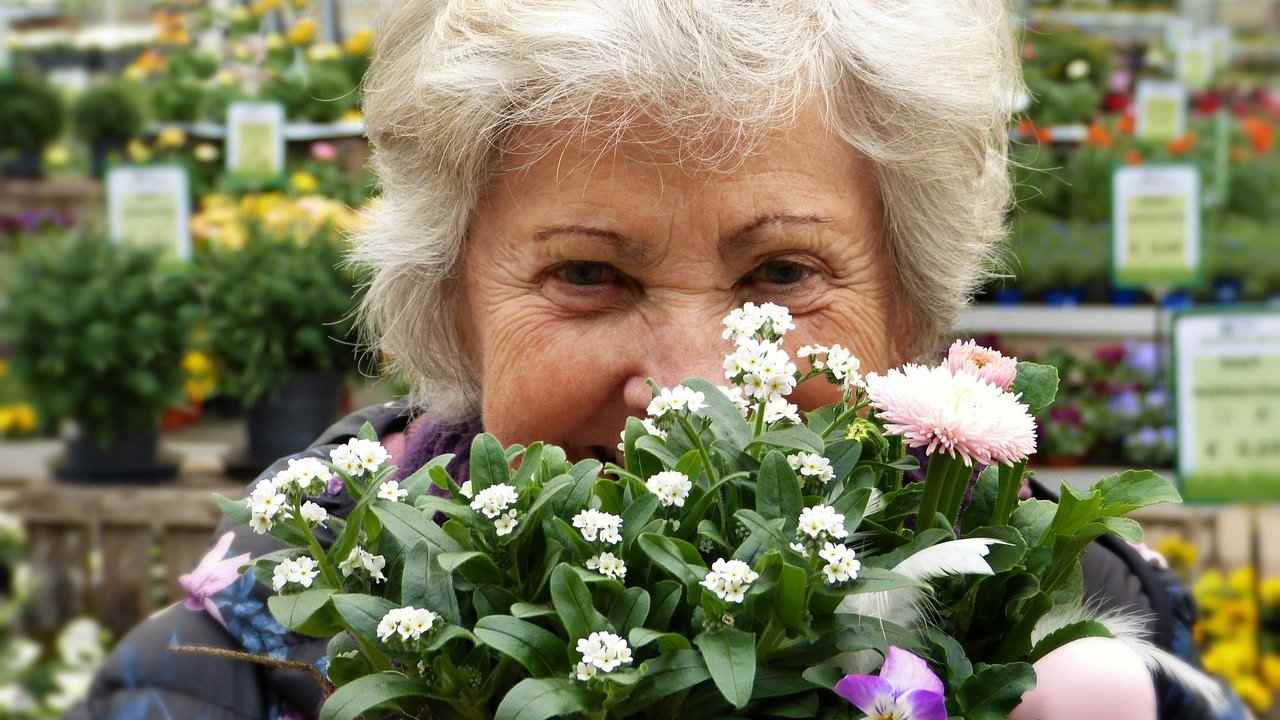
1093 678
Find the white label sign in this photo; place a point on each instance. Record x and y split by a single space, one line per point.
149 206
255 139
1195 61
1156 225
1228 400
1161 110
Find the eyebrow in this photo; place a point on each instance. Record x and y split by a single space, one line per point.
740 239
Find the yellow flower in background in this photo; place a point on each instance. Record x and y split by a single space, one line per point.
1253 693
1209 590
323 52
262 7
353 116
206 152
196 363
242 52
275 41
1270 592
303 32
4 367
1271 671
24 417
240 14
6 420
299 4
360 43
57 155
1242 580
1181 554
197 391
171 137
1241 615
134 73
225 78
1232 659
304 182
138 151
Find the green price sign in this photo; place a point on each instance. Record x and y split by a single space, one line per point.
1227 380
149 207
1156 230
1161 110
255 139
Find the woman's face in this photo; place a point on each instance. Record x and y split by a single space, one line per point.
592 269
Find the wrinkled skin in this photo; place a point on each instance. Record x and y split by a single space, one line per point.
593 268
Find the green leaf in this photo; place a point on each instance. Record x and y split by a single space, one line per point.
874 579
635 517
630 609
983 499
773 682
801 706
529 462
790 596
532 519
675 556
477 567
572 601
794 437
1131 490
771 529
778 492
727 422
364 694
654 447
666 598
532 611
304 612
237 511
730 656
824 675
425 584
420 482
1126 528
1068 633
431 504
367 432
584 475
363 612
995 690
853 505
488 463
693 515
410 526
1037 384
668 674
667 641
1032 518
542 698
539 651
953 659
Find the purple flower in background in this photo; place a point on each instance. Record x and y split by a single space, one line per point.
214 573
1125 404
1143 357
905 689
1157 399
1168 436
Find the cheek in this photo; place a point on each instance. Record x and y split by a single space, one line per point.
863 328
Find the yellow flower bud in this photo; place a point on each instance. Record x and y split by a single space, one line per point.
360 43
205 152
171 137
57 155
24 418
138 151
304 183
303 32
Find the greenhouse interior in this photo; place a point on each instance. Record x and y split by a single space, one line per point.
196 261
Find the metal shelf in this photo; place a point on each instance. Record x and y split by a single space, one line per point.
299 131
1083 321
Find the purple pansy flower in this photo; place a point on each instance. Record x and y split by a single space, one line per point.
214 573
905 689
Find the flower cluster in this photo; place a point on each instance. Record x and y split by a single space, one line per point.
842 563
671 487
730 579
601 652
597 526
769 321
837 362
609 565
313 513
361 559
958 414
390 490
736 397
296 571
359 457
822 521
494 502
761 368
812 466
268 503
309 475
676 399
987 364
409 623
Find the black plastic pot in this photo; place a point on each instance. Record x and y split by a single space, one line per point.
287 421
131 458
26 165
100 153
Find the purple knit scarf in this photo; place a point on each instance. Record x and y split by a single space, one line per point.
431 438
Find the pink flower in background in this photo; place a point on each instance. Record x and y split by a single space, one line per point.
214 573
905 689
957 414
323 151
989 365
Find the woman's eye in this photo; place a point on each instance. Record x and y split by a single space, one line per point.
780 272
586 273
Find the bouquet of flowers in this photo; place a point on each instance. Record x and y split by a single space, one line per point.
742 560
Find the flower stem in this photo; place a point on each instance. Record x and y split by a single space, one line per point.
847 414
1007 495
935 482
957 484
322 558
696 439
773 632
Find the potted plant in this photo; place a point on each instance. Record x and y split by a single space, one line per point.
98 334
277 313
105 118
31 116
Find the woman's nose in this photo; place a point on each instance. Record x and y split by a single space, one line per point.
676 353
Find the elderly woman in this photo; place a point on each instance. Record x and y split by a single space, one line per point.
575 192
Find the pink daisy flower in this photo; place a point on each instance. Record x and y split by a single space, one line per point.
987 364
957 414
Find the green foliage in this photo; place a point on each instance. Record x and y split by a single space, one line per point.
107 113
275 307
32 114
99 332
318 93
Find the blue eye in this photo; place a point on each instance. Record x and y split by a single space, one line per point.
586 273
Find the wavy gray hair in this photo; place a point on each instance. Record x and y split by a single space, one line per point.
924 89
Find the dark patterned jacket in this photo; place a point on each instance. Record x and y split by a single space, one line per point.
144 680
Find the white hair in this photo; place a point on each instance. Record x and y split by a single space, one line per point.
922 88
